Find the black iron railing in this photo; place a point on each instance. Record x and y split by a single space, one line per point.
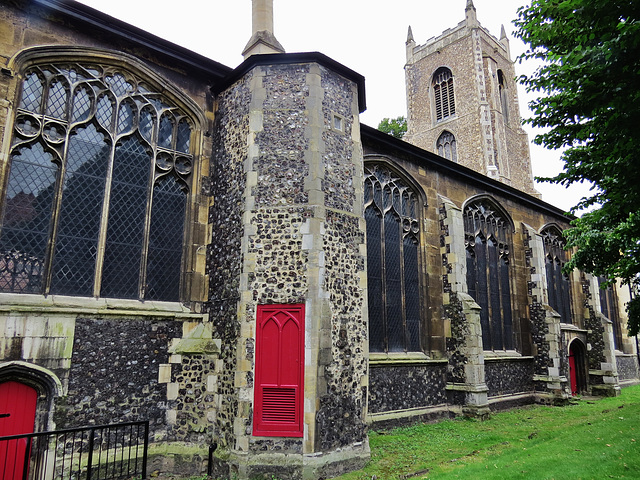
104 452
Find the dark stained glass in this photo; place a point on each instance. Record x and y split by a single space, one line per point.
125 116
146 123
412 293
487 237
165 134
184 137
54 235
81 104
507 317
80 213
393 284
558 288
27 219
104 112
127 211
392 263
57 100
31 93
374 282
165 241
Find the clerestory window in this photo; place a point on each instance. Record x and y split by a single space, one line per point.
558 286
100 171
442 84
391 213
488 245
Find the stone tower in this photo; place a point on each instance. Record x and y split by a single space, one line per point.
287 264
463 104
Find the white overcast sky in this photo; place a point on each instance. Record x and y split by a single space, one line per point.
367 36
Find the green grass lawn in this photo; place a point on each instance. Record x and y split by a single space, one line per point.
586 440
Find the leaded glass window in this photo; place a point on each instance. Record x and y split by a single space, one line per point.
447 146
96 198
442 84
488 244
391 213
609 308
558 286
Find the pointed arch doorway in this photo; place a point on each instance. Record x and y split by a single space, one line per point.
577 367
18 404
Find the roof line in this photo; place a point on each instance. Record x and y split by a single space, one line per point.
293 58
109 24
460 171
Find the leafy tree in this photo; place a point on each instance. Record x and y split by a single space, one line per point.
590 103
396 127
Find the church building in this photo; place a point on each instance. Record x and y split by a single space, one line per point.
231 255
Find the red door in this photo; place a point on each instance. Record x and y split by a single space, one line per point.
279 371
17 415
572 371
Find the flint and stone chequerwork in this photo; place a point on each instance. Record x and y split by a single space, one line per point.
387 284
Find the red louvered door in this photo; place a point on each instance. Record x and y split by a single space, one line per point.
279 371
17 415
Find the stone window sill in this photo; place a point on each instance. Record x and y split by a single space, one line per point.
12 302
497 355
402 358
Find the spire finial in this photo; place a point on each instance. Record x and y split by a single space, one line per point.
262 39
503 32
409 35
470 14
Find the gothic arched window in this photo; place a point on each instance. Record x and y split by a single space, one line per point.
96 199
502 91
558 286
391 213
488 244
609 308
442 84
446 146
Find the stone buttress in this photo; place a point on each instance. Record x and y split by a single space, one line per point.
288 229
466 384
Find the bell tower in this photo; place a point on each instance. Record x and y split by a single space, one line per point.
463 104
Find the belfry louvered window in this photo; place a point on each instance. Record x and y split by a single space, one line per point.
487 241
97 188
443 93
391 213
447 147
609 308
558 286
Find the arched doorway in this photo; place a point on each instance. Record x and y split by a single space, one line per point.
18 404
577 367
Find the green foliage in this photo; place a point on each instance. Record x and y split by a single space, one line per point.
589 87
396 127
585 440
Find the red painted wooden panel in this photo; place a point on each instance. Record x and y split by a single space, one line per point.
279 371
572 371
17 415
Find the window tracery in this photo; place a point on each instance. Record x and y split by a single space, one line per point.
98 183
447 146
391 213
558 286
488 244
